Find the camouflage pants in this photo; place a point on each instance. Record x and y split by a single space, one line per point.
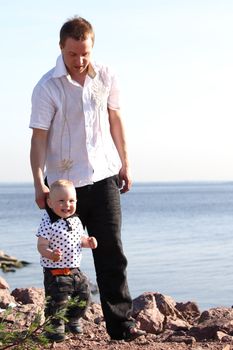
70 294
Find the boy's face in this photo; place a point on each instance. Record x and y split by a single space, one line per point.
63 201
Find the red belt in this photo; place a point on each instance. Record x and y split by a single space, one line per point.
65 272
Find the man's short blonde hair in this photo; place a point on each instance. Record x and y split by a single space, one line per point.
76 28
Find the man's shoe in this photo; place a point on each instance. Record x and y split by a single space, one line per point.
133 333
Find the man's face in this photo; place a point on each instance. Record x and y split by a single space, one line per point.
77 55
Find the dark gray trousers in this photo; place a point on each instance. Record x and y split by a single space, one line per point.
99 209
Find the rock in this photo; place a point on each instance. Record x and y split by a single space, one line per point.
146 312
222 336
175 320
211 321
5 298
166 305
30 303
9 263
178 325
93 287
94 313
31 295
4 284
182 339
6 257
227 347
157 312
189 310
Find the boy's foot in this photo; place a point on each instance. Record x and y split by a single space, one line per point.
57 332
57 337
74 327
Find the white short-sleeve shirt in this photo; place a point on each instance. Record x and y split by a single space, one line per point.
80 146
64 234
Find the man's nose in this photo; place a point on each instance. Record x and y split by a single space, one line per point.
79 61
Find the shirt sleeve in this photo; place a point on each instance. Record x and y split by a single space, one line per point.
114 94
43 108
44 229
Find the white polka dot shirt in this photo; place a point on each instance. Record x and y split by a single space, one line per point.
63 234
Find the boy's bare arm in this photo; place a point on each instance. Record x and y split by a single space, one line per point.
45 251
89 242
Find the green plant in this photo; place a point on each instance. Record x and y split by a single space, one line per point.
34 336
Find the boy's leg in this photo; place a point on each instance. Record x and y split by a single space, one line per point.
79 304
56 303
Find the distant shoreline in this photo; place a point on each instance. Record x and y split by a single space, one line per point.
138 183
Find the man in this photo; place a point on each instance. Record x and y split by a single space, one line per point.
78 135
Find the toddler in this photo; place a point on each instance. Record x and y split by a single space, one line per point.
60 241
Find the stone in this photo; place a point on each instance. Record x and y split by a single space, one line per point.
4 284
29 295
6 298
211 321
9 263
189 310
146 312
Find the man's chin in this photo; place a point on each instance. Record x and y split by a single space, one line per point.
80 70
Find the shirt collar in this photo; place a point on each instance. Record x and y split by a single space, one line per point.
60 69
54 217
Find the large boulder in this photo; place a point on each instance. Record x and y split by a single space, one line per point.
31 295
157 312
146 312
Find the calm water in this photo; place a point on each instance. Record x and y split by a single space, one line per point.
177 238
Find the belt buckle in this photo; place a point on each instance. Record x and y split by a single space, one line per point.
66 271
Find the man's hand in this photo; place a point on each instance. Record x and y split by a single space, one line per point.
125 180
41 195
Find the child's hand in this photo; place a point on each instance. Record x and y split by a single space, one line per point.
92 242
56 254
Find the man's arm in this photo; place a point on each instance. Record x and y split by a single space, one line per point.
118 136
37 157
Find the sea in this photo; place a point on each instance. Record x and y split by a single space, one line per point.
177 236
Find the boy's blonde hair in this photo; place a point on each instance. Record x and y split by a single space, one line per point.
61 183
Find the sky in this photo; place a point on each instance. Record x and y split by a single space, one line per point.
174 60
